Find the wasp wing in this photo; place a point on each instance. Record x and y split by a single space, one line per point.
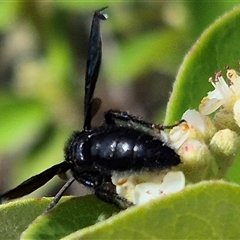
35 182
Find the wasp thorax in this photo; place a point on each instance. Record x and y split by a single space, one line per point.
75 150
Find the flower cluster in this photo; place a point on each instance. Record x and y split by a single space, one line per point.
206 145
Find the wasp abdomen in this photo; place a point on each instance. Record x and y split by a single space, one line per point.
121 149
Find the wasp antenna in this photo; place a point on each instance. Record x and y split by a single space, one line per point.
93 65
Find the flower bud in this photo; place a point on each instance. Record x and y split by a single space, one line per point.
225 144
196 159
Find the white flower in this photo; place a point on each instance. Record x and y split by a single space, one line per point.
196 126
216 98
172 182
179 134
142 187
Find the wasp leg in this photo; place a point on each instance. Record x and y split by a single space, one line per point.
169 126
113 117
107 192
59 194
102 187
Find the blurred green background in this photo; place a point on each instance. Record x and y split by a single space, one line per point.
43 49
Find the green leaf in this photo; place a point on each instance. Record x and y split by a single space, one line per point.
16 216
206 210
209 210
218 46
68 217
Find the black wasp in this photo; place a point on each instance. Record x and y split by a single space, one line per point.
122 143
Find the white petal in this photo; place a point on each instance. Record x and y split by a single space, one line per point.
172 182
194 119
235 80
178 135
223 88
208 106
